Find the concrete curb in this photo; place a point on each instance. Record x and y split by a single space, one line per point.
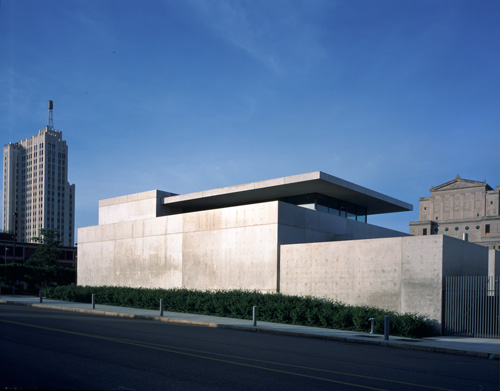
360 340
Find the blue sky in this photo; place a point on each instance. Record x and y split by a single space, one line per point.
189 95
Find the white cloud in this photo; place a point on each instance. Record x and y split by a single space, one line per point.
278 34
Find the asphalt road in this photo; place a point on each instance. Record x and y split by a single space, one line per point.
49 349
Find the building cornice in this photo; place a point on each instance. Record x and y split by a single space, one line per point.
459 183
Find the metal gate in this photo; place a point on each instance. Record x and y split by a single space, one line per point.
471 306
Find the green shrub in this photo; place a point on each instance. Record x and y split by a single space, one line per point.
275 307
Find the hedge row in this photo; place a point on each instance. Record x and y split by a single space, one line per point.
306 311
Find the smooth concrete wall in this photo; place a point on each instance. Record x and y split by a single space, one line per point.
131 207
421 277
227 248
133 253
302 225
362 272
493 262
399 274
230 248
461 258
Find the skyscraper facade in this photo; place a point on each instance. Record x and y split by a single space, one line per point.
36 191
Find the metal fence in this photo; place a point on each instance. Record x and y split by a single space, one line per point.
471 306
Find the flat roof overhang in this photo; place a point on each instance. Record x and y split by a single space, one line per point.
275 189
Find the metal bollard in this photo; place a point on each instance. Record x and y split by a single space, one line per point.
254 315
386 327
372 320
41 296
161 307
93 301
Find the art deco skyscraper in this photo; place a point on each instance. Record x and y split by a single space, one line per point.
36 191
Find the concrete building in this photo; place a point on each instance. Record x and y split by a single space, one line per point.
36 191
461 207
300 235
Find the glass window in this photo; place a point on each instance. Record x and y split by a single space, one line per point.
333 207
351 212
322 203
321 208
361 218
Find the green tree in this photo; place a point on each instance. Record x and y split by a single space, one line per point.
48 252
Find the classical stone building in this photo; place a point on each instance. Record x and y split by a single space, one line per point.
461 208
36 191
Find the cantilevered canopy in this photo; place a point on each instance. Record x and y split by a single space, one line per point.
275 189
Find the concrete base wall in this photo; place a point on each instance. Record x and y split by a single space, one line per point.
227 248
231 248
400 274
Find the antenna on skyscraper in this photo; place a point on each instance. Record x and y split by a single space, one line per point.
50 126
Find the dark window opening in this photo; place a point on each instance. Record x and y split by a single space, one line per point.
487 229
424 231
322 203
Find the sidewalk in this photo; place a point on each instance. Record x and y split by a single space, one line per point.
478 347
